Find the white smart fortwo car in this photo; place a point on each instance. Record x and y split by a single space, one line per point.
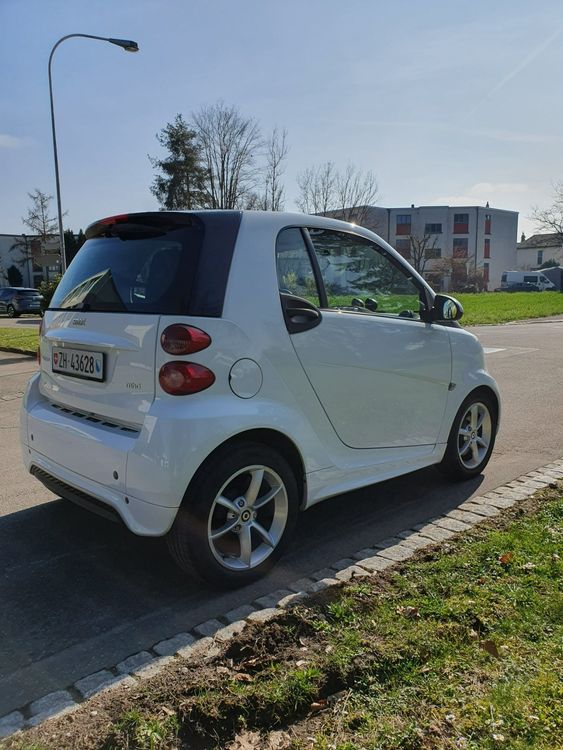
206 375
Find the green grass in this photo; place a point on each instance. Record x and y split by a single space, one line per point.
24 339
501 307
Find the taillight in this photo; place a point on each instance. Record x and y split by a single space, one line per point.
180 339
182 378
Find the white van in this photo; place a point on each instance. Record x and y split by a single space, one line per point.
531 277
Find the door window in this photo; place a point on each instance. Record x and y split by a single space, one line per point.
294 268
361 277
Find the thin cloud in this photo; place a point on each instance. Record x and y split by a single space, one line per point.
10 141
482 192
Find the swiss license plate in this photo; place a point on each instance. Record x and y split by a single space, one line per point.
78 363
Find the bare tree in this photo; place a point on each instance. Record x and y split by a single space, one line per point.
422 249
229 145
348 194
38 219
276 152
551 219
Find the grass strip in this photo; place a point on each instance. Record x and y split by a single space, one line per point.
502 307
460 647
25 340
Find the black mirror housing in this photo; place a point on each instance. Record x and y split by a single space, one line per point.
446 308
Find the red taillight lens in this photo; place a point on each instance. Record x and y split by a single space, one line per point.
179 339
182 378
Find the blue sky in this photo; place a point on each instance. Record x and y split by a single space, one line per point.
447 102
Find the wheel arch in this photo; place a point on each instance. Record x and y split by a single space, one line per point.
492 394
273 439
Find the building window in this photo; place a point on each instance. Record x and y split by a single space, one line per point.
487 223
461 223
487 249
403 224
431 253
540 257
460 247
486 273
404 248
432 229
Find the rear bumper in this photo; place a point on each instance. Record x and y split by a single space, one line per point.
86 463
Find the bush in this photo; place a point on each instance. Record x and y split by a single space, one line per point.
47 289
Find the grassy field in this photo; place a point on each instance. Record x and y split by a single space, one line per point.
23 339
459 648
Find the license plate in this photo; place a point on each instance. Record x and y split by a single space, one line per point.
78 363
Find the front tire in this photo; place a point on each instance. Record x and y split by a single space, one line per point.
11 310
237 517
471 438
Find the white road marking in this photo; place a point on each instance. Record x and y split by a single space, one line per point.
492 349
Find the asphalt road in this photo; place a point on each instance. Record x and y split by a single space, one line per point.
79 594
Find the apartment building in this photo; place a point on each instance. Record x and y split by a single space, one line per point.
484 237
34 261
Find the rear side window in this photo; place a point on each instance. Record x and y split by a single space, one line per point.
148 265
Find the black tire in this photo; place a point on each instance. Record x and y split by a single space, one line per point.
454 465
188 540
11 310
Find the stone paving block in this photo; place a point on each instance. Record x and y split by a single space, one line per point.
323 573
50 705
208 628
239 613
375 563
205 648
11 723
345 562
453 524
93 683
303 584
228 632
119 682
363 553
171 645
291 599
391 541
134 662
323 584
353 571
416 541
155 666
397 553
497 500
468 516
271 600
435 533
485 511
263 615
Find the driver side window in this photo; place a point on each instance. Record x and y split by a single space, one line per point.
360 277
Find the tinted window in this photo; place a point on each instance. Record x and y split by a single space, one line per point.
359 275
162 262
293 265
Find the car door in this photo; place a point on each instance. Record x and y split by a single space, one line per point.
3 298
353 312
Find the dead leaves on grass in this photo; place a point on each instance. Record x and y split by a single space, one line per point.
255 741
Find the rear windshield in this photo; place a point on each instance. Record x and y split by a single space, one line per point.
149 270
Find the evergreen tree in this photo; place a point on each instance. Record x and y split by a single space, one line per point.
181 181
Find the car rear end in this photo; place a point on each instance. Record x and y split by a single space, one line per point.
26 301
100 421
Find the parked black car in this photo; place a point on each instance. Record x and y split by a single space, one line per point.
19 300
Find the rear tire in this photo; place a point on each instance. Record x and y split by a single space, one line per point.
237 516
472 437
11 310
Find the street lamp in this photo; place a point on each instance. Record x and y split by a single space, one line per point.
129 46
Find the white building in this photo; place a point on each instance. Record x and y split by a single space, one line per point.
34 262
537 249
486 237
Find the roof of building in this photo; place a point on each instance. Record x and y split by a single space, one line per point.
553 239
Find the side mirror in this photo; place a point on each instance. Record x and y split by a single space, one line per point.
446 308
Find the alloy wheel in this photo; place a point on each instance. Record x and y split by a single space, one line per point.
474 435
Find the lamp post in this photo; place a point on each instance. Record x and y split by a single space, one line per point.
129 46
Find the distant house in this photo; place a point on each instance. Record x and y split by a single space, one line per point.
532 252
486 237
35 262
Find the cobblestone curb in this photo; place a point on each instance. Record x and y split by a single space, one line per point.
208 638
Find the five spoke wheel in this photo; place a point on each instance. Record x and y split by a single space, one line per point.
474 436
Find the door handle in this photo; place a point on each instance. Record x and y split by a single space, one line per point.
303 312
